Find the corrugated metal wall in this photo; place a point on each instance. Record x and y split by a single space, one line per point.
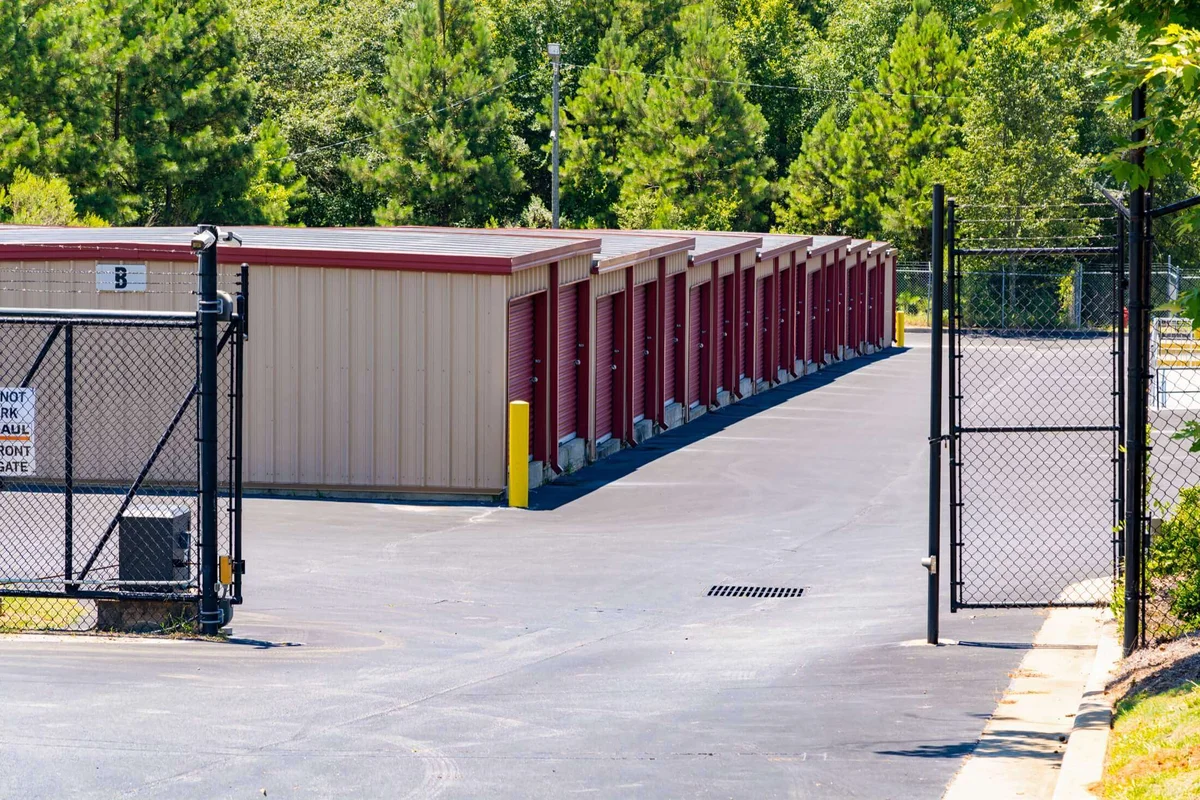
349 380
397 380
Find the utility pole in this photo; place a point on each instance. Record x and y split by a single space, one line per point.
555 51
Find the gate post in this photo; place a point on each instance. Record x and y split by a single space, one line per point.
209 309
952 290
1136 419
935 418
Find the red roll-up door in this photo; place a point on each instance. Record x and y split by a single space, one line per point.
520 356
747 322
722 333
568 352
781 323
604 368
764 334
829 335
694 351
801 312
814 317
876 317
669 337
637 351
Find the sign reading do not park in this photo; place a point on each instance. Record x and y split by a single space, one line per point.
18 409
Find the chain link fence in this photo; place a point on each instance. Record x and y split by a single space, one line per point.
1035 426
914 286
1171 565
99 455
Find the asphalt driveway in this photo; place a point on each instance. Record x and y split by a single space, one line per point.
416 651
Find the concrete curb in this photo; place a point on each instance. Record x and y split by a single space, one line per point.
1083 761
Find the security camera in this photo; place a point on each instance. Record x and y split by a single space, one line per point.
202 240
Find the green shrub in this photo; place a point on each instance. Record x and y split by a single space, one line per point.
1175 554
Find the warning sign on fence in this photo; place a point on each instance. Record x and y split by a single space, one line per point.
18 414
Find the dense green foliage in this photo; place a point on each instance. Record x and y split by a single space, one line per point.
794 114
1174 560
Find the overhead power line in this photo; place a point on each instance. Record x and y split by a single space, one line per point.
779 86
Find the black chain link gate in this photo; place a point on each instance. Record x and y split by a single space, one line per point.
1036 360
99 467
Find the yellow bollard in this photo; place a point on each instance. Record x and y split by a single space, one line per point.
899 329
518 454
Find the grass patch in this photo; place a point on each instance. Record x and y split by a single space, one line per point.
1154 751
39 613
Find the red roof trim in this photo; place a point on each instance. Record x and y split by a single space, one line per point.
840 241
296 257
799 243
729 250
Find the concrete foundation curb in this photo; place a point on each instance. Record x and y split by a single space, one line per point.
1020 750
1083 761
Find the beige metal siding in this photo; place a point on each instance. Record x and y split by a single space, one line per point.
528 281
376 379
574 269
677 263
608 283
700 273
645 272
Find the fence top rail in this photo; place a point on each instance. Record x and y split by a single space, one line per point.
98 316
1036 251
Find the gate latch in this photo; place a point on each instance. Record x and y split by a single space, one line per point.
930 563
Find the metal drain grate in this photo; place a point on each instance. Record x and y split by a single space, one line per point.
755 591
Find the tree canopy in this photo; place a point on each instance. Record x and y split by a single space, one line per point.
803 115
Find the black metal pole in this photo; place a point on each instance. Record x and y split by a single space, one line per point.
952 399
238 388
1136 417
209 310
935 418
69 456
1119 287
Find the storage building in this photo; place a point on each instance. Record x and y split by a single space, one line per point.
377 360
383 360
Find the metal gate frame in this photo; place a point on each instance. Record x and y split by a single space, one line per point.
956 395
218 578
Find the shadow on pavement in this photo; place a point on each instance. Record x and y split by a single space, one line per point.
1001 744
568 488
1026 646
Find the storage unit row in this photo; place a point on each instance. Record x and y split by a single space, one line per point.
382 360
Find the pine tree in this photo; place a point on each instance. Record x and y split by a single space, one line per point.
913 122
178 104
812 198
875 178
597 123
277 190
49 84
697 159
447 154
